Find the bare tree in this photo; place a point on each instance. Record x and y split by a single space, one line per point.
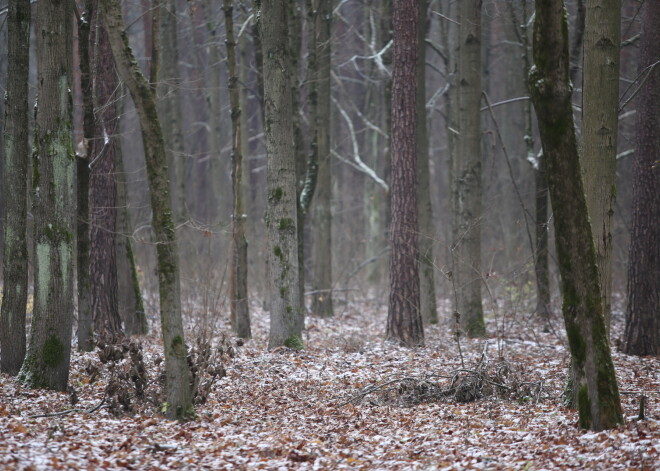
404 321
600 99
240 314
593 371
642 335
286 313
466 168
177 382
15 255
47 360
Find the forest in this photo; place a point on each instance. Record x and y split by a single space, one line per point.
330 234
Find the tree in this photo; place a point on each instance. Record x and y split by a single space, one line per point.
240 314
286 313
15 256
594 376
600 99
642 334
466 174
177 375
320 97
46 363
427 300
102 186
404 320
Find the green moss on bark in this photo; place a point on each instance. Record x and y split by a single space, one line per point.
294 342
53 352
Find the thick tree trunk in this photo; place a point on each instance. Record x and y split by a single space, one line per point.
593 370
427 299
15 250
102 187
642 335
240 314
286 313
47 361
177 381
404 320
466 250
322 220
600 102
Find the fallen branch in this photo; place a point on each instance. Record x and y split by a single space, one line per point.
70 411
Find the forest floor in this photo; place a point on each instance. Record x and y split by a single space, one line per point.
342 403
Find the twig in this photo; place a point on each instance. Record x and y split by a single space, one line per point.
69 411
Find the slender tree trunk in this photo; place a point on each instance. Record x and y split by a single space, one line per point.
177 380
600 101
594 376
129 297
322 220
47 361
169 110
427 299
286 313
102 186
15 250
404 320
466 250
240 314
216 163
642 335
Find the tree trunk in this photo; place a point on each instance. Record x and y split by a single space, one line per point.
15 250
169 110
404 320
466 250
322 220
594 376
47 361
642 335
85 320
102 187
240 314
286 313
427 299
177 382
600 102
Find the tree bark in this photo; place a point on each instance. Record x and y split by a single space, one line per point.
169 110
642 334
594 376
427 299
322 304
404 321
600 101
286 313
46 363
240 314
177 380
15 249
102 186
466 250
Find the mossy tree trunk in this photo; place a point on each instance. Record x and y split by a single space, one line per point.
467 206
46 363
177 380
404 320
15 249
642 335
286 313
322 214
102 187
169 109
594 376
427 301
600 109
240 314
